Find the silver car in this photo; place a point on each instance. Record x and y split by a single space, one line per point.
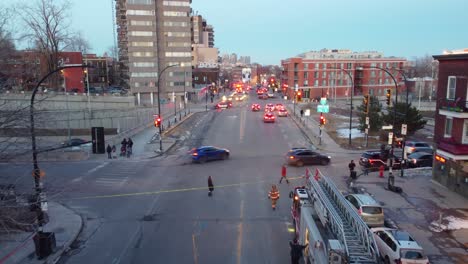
369 209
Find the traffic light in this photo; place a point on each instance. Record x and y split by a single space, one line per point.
323 121
389 96
299 96
365 103
157 121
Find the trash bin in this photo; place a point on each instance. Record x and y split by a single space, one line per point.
45 244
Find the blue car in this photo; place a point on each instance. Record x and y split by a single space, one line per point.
207 153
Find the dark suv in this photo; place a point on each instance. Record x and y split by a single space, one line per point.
373 159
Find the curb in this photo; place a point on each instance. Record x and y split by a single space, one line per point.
178 124
66 246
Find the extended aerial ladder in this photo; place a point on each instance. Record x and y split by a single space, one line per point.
336 213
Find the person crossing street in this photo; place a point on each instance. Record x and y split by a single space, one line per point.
283 174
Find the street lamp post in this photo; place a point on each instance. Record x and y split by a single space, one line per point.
159 102
394 110
36 171
406 120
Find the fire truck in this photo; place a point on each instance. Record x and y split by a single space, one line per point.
333 230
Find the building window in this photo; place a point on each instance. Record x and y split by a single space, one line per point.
179 44
178 34
451 86
324 82
316 74
306 75
372 74
178 54
177 24
141 33
140 12
141 2
465 132
316 65
143 64
380 81
175 13
141 44
349 65
306 66
176 74
448 127
140 23
324 66
306 83
143 54
144 74
316 82
324 75
175 3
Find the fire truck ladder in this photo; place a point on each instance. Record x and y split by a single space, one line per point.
344 222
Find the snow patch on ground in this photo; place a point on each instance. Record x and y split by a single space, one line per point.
449 223
344 133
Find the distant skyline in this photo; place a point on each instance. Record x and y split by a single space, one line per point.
272 30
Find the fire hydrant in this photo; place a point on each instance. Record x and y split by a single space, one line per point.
381 171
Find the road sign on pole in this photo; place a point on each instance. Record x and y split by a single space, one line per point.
404 129
367 120
307 112
390 138
387 127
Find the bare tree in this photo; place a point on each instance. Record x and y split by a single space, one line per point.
77 42
46 23
7 49
424 66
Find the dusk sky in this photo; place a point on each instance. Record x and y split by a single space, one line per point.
271 30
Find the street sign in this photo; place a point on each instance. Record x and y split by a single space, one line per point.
366 131
296 88
323 101
390 138
367 120
323 108
307 112
387 127
403 129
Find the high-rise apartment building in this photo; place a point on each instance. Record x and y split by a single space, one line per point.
153 35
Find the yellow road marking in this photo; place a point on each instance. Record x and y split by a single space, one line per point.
174 190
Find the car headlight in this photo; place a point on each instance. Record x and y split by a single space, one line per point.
329 157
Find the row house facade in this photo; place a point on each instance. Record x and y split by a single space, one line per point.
327 73
451 123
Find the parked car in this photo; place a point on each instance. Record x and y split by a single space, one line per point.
208 153
420 159
416 146
373 159
269 117
74 142
397 246
369 209
302 156
116 90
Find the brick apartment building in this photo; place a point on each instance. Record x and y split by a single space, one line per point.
317 73
451 122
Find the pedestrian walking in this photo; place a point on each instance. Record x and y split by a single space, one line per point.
283 174
114 149
123 147
296 251
129 147
109 151
351 165
302 113
274 196
210 186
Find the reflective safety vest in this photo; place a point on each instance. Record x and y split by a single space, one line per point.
274 195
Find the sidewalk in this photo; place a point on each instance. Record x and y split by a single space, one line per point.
18 247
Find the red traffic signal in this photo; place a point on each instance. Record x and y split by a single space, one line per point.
157 122
323 121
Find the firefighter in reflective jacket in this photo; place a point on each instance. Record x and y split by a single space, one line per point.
274 196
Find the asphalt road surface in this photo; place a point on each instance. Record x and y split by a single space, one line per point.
158 210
